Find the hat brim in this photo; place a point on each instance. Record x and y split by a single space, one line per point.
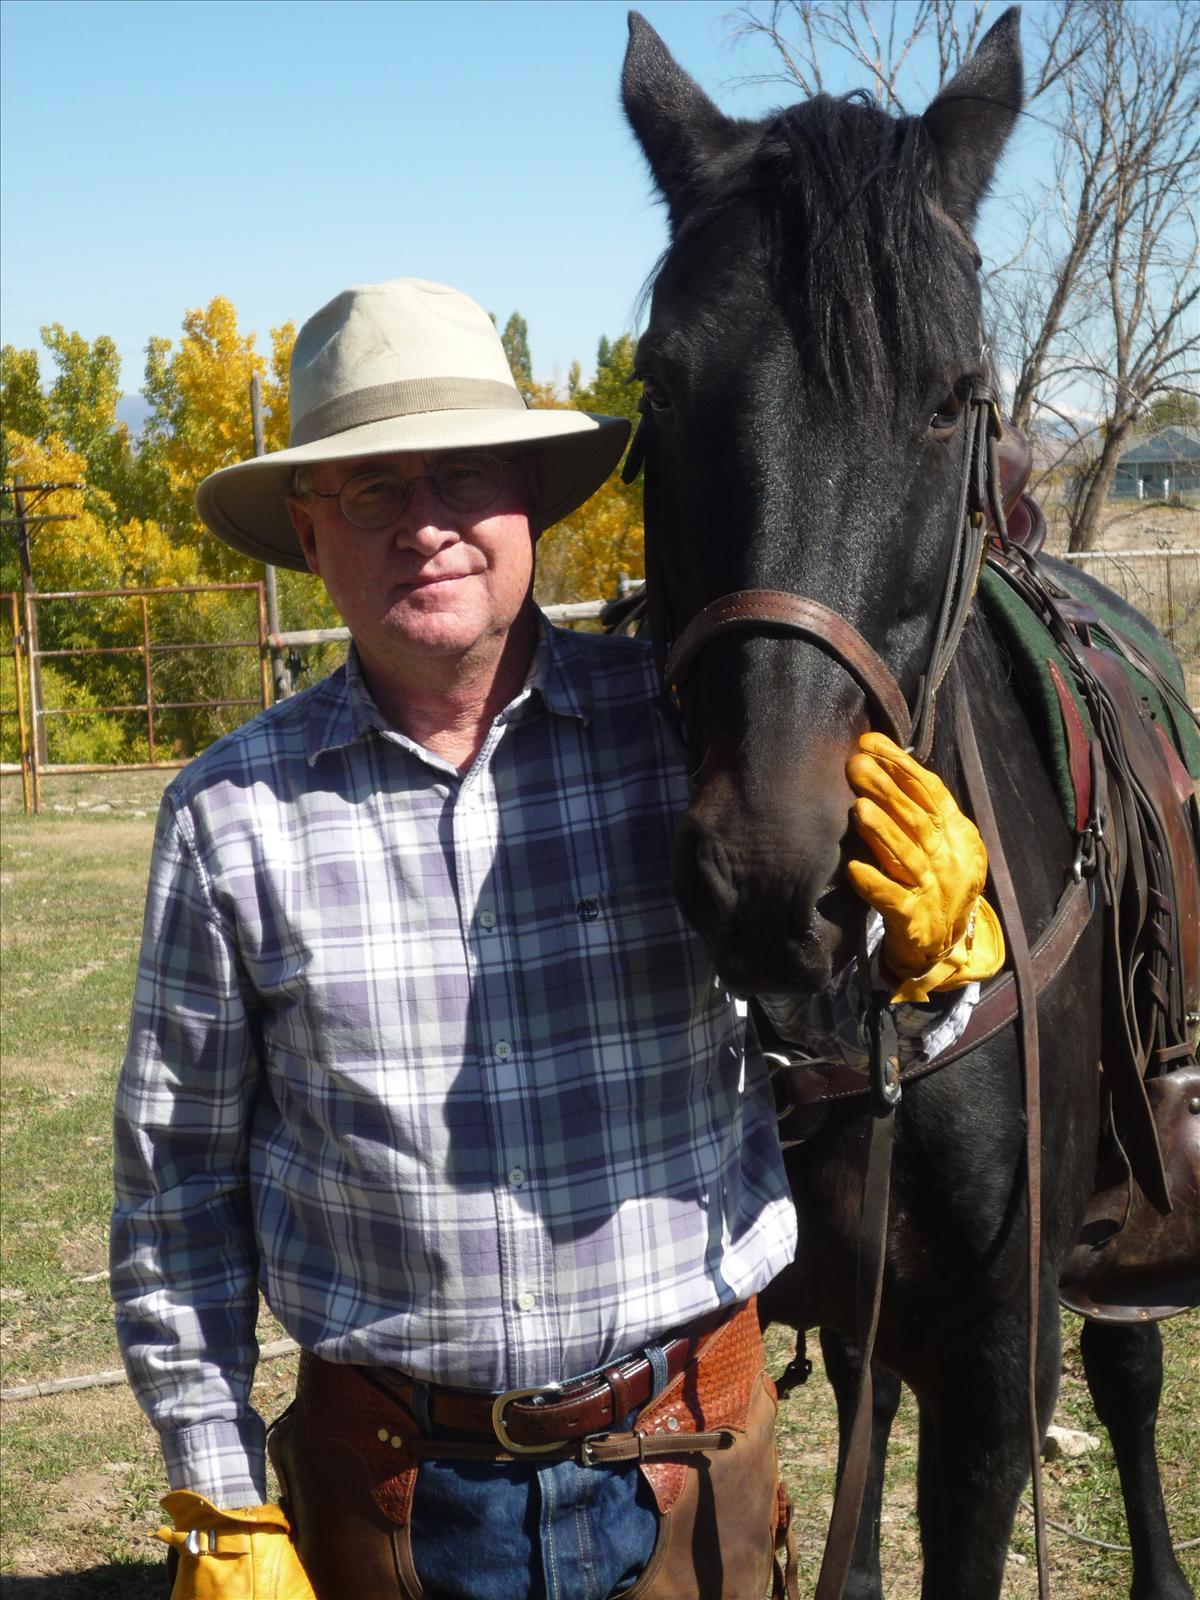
245 505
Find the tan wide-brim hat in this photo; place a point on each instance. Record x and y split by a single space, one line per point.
405 365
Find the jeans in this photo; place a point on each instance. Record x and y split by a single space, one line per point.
514 1530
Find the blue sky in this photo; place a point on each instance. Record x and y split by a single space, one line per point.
158 152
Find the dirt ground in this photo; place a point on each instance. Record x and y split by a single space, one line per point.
1133 525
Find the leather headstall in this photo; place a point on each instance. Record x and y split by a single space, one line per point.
819 624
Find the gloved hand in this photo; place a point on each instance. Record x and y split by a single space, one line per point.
232 1555
939 931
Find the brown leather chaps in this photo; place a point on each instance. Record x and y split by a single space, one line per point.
344 1454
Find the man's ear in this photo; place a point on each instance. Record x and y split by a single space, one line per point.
299 512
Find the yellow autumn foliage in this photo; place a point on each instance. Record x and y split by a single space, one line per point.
200 419
585 557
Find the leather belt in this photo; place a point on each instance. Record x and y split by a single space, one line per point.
531 1420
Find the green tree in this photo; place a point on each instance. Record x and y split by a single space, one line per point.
614 390
83 408
585 557
24 408
1179 409
515 340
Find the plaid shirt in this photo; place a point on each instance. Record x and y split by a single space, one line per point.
430 1058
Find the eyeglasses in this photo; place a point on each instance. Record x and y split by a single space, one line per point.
374 500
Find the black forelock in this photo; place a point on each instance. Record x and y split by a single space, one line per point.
870 275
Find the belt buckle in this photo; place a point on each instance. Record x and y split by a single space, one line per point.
500 1404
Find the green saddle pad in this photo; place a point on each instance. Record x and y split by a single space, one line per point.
1031 649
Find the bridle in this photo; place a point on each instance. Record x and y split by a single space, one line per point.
812 620
911 726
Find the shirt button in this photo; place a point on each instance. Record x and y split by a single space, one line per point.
487 919
516 1177
503 1050
527 1301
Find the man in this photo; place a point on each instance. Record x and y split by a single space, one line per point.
422 1049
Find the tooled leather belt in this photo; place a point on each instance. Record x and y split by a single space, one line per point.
545 1417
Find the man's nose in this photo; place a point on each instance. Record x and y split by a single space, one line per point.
427 523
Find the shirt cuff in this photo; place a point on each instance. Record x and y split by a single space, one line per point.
224 1461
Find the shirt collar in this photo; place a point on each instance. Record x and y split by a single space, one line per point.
342 710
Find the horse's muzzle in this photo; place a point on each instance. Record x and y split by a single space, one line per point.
769 919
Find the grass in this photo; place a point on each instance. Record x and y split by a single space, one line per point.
80 1473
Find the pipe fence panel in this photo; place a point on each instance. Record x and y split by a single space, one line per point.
1164 585
178 685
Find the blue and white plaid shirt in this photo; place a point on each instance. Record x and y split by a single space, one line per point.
429 1058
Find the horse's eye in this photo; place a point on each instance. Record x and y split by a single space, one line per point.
654 396
945 419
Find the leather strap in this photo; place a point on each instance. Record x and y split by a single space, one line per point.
980 491
600 1451
813 1083
1079 754
593 1404
751 608
1027 1036
854 1461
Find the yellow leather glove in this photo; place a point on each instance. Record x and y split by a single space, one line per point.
939 931
232 1555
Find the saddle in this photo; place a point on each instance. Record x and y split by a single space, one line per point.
1125 739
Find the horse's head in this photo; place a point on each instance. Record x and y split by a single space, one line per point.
813 340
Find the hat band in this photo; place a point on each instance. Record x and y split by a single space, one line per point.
408 397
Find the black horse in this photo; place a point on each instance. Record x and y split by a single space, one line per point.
813 344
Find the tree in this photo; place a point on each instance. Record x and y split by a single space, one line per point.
199 394
1177 409
1141 94
133 525
1090 312
79 408
879 40
585 557
23 403
515 340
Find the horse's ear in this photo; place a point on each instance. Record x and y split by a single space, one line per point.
676 124
972 117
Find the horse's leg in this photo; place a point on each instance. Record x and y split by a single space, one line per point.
1123 1363
974 1458
842 1366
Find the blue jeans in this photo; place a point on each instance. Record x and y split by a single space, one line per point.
519 1531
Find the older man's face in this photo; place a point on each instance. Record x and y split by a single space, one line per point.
435 581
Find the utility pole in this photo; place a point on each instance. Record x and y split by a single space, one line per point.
280 675
20 524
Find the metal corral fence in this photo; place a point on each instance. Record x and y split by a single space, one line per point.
32 713
1163 584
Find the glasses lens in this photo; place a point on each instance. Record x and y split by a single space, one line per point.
373 499
468 483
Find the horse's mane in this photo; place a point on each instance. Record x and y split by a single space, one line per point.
859 249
